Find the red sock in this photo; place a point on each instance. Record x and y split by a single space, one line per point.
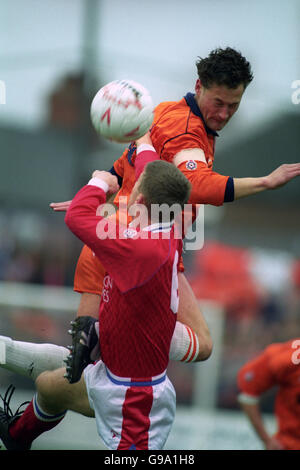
33 423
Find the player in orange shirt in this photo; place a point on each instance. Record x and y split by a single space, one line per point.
278 365
184 133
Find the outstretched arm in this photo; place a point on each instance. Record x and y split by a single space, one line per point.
282 175
64 206
209 187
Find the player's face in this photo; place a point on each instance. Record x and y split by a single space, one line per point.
218 103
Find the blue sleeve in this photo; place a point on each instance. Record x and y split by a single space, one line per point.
229 190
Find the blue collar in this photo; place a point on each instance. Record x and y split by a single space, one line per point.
192 103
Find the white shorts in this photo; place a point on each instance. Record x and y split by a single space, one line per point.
130 415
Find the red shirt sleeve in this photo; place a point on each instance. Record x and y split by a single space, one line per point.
257 376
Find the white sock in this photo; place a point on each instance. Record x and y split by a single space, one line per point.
184 344
30 359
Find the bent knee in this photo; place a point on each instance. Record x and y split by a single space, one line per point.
47 383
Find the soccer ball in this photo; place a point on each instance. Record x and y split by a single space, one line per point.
122 111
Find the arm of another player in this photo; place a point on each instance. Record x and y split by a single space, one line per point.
255 378
252 411
116 170
279 177
241 187
208 187
64 206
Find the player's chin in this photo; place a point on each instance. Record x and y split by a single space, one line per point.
218 126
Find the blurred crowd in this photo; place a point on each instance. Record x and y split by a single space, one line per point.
39 251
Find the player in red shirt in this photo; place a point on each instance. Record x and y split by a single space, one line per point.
278 365
127 391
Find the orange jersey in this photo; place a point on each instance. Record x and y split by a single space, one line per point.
176 126
89 273
278 365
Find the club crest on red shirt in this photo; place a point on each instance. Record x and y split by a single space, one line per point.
129 233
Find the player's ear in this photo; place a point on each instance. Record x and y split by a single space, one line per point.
140 199
198 86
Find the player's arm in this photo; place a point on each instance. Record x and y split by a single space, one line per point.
64 205
283 174
82 217
116 170
209 187
252 411
253 380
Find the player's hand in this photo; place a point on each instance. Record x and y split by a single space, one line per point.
273 444
110 180
146 139
282 175
60 206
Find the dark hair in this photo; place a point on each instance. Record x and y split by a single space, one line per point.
224 67
163 183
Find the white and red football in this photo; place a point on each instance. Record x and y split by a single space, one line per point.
122 111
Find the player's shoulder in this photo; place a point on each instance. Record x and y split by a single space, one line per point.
171 110
275 349
156 245
180 117
280 356
147 257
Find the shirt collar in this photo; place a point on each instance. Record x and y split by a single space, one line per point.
192 103
159 227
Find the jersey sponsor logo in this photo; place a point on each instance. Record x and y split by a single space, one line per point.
107 285
129 233
191 165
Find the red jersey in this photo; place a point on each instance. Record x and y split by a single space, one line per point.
139 300
177 126
278 365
